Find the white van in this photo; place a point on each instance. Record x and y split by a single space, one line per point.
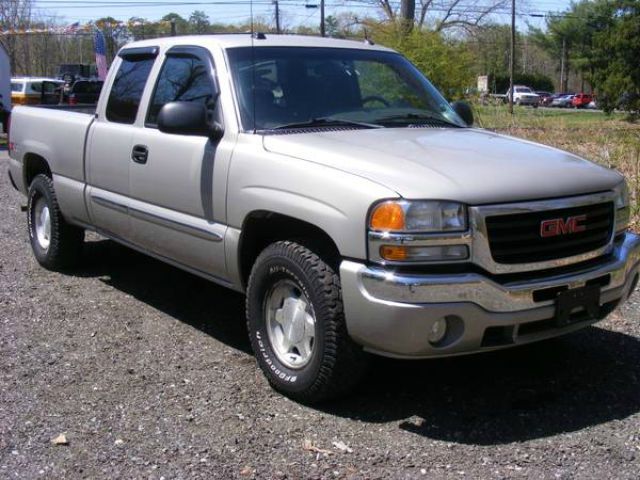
5 87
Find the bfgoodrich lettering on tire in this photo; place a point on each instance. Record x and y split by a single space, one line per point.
296 325
56 244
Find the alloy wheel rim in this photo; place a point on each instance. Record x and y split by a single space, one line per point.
42 220
290 324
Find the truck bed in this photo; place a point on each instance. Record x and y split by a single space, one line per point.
56 134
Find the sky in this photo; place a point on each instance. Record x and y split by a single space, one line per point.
293 12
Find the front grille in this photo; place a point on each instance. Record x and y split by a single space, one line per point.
516 238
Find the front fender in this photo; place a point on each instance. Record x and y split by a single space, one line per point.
335 201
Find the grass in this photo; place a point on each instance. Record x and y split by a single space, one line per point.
608 140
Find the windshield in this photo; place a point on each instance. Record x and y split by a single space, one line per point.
523 90
295 86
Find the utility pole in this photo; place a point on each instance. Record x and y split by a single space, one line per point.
173 27
513 53
275 2
562 79
323 33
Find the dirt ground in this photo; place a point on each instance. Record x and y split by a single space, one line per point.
148 373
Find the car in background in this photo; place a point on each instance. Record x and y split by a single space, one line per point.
83 92
36 90
563 101
545 97
523 95
581 100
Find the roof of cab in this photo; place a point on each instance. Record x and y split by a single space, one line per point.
247 40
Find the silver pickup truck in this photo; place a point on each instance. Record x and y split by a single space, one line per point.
330 182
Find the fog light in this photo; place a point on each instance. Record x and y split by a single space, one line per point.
403 253
438 330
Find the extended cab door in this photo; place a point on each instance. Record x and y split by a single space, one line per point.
178 182
110 142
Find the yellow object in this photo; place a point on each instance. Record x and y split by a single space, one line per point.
387 216
393 252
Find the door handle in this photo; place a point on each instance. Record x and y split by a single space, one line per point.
139 154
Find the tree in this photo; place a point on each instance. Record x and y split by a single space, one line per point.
199 22
14 15
616 46
331 25
182 25
446 62
572 36
441 15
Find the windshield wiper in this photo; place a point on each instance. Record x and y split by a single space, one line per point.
412 117
325 122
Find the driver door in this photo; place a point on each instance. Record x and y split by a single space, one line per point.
177 182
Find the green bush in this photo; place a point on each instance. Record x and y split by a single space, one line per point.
446 63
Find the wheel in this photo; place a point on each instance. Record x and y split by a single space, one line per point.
56 244
296 325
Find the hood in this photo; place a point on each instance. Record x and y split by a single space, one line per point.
467 165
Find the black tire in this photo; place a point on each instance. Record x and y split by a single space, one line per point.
336 363
65 241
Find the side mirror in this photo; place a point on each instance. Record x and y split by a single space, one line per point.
188 118
464 111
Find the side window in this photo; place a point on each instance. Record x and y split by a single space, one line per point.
183 78
126 92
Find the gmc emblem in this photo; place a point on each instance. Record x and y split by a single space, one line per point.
560 226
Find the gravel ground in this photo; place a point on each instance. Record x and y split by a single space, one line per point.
147 371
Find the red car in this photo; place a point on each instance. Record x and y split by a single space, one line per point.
581 100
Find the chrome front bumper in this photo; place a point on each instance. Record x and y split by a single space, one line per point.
392 314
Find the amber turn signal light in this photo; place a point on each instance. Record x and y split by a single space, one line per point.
387 216
393 252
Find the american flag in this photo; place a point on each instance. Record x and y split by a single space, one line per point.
101 55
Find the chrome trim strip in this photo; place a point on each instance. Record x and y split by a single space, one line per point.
386 286
157 219
105 202
174 225
481 252
377 239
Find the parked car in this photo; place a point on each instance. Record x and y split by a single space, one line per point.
581 100
563 101
357 220
84 92
524 96
545 97
70 72
36 90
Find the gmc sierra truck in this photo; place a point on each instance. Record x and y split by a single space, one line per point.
330 182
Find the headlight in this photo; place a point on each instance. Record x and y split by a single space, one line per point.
418 216
623 210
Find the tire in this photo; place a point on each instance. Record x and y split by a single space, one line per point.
55 244
291 279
